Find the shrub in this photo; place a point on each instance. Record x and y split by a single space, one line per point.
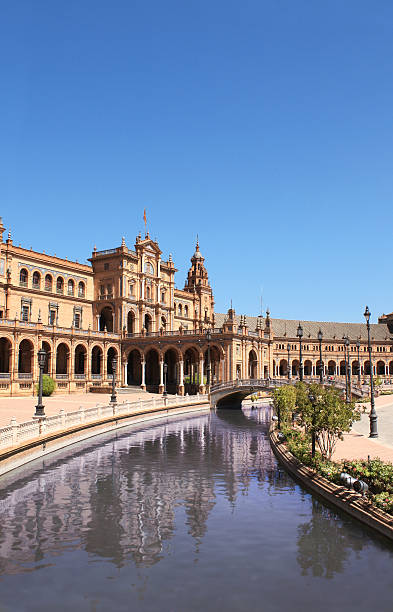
48 385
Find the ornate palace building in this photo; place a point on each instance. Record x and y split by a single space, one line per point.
124 304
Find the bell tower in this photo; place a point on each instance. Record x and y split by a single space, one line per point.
198 283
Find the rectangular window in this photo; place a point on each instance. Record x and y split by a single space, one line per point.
1 314
25 313
109 289
106 266
52 317
102 289
77 320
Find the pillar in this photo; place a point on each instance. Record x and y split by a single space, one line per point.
181 380
161 385
143 368
201 385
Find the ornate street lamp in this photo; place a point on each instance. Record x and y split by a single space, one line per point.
299 334
358 347
40 408
320 336
373 414
289 363
114 368
165 379
208 367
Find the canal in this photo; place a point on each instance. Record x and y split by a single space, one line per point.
181 515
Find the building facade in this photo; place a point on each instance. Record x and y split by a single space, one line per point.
124 304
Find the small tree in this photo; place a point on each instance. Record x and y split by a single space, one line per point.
284 403
48 385
327 415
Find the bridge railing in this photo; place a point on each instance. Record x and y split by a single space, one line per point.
280 382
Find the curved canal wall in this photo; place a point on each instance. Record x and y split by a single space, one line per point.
350 502
24 442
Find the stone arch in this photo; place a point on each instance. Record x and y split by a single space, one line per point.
80 359
152 372
96 360
355 367
332 368
25 357
60 284
23 277
367 368
48 361
148 323
252 364
62 358
283 367
381 368
5 355
48 282
134 368
216 355
106 319
171 359
70 287
36 279
295 367
342 367
191 370
318 366
111 353
131 322
390 367
308 367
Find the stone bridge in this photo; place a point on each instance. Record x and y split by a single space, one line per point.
231 394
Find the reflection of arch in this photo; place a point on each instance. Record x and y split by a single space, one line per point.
147 323
131 322
307 368
332 368
80 359
106 319
171 359
381 368
96 360
48 361
252 364
5 354
62 354
283 367
295 367
134 370
112 352
191 374
152 371
25 358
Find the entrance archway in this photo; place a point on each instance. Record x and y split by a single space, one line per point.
295 367
25 358
106 319
171 359
191 371
381 368
307 368
134 368
152 377
130 323
252 364
332 368
109 356
48 361
80 359
283 367
214 365
96 360
147 323
62 354
5 355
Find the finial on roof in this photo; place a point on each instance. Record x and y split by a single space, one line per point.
170 257
267 312
197 243
9 235
95 248
123 241
231 304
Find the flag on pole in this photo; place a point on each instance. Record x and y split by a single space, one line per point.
144 219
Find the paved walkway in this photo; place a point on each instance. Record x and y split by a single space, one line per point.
23 408
357 444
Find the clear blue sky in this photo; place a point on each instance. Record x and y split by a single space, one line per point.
263 126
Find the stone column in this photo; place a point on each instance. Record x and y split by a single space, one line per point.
201 385
125 373
161 385
181 381
143 368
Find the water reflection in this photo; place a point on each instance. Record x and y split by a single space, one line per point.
205 489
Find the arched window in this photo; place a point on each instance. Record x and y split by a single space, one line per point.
81 289
148 292
149 268
23 277
70 287
163 297
36 280
131 289
48 282
59 285
180 310
186 311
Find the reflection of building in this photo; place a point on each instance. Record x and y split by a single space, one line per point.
125 304
117 498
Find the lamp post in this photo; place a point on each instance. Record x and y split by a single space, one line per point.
114 368
320 336
208 338
299 334
40 408
165 379
373 414
347 380
289 363
312 399
358 347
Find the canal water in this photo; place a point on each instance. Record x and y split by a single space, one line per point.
181 515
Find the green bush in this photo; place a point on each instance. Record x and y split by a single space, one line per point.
48 385
377 474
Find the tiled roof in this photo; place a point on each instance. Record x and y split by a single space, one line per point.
286 328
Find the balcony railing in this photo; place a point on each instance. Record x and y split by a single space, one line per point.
35 285
96 376
105 296
25 375
5 375
79 376
61 376
22 283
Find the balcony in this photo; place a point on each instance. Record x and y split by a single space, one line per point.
35 285
61 376
80 376
106 296
25 375
60 290
22 283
